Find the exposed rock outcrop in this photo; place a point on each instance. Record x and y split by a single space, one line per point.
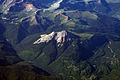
6 5
30 7
54 6
60 37
45 38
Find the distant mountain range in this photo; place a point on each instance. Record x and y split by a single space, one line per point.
62 39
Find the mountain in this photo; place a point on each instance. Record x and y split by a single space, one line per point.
13 68
67 39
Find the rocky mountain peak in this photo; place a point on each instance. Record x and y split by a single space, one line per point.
60 37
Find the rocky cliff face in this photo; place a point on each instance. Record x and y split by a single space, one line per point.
60 37
45 38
